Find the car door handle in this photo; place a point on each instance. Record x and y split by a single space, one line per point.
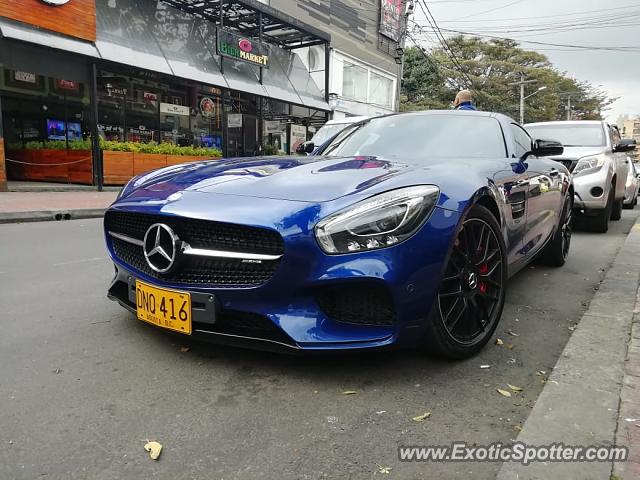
554 172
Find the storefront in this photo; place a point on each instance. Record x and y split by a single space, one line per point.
162 82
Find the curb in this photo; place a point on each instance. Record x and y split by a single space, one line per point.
51 215
580 401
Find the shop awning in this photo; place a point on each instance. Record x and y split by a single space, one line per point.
159 37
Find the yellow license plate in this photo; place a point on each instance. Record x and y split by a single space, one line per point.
165 308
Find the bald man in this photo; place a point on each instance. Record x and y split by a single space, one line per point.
463 101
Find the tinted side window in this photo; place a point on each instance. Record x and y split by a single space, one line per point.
521 140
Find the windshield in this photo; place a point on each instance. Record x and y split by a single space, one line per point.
570 135
413 137
326 132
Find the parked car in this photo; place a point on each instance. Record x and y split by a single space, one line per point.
594 153
375 242
326 132
632 186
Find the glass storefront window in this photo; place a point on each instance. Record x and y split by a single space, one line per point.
354 82
380 90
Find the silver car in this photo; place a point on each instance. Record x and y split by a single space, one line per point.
593 152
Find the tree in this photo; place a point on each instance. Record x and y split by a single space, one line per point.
488 68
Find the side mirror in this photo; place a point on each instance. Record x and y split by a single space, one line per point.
546 148
305 148
625 145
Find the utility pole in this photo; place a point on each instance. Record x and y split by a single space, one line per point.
521 84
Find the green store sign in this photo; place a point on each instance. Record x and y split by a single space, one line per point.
229 44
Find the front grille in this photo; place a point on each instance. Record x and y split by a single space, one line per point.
196 270
362 304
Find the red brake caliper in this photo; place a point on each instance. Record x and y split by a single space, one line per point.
484 269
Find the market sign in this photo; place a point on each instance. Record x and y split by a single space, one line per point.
391 13
230 44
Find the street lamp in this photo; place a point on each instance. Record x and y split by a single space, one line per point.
523 98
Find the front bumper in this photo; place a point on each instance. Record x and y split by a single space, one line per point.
592 190
289 311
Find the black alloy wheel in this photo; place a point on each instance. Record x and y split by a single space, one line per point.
555 253
473 288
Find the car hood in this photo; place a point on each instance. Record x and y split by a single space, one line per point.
576 153
297 178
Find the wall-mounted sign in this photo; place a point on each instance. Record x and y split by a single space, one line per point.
73 18
230 44
234 120
150 96
391 13
25 77
174 109
207 107
271 126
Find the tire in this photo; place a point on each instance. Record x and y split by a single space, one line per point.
471 296
616 211
599 223
555 253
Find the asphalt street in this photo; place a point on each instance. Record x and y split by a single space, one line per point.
83 384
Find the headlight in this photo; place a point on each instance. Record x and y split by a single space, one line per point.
588 163
377 222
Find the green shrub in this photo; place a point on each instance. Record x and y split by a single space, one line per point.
113 146
270 150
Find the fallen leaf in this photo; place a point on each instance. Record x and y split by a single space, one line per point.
349 392
514 388
510 346
512 333
154 449
504 393
517 428
184 349
485 366
572 328
541 372
422 418
499 342
384 470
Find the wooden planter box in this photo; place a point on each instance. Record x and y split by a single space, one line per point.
119 167
65 166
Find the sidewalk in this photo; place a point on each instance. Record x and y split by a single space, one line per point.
592 398
41 206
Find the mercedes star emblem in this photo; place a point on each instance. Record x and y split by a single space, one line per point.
161 247
472 280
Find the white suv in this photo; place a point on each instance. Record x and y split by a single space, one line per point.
594 153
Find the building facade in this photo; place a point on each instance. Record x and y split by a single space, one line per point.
366 51
163 81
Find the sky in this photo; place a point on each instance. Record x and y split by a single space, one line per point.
593 23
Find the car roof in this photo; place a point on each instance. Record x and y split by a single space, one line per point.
347 120
567 122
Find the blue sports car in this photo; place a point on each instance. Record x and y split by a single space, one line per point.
401 230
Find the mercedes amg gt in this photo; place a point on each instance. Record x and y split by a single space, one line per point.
402 230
